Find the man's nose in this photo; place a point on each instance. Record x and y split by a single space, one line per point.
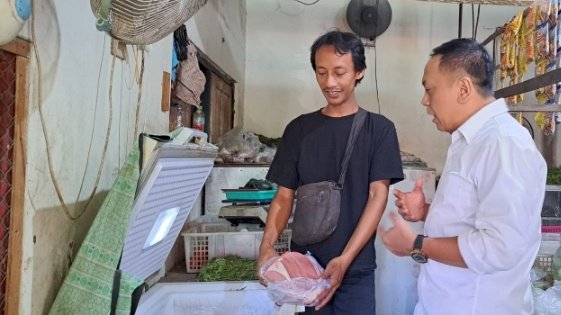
425 100
330 80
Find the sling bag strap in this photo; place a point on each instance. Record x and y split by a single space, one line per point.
358 121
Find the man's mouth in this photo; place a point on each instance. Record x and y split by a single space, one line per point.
332 93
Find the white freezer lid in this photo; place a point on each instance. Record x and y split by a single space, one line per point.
168 188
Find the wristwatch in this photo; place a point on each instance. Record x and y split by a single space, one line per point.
416 254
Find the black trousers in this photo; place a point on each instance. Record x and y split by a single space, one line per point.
354 296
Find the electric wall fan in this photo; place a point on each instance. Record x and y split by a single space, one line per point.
369 18
13 14
142 22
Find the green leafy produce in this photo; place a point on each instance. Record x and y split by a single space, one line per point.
270 142
554 176
229 268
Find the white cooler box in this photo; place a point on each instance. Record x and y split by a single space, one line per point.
210 298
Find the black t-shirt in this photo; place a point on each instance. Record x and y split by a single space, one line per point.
312 149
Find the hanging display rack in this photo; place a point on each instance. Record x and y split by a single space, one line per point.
493 2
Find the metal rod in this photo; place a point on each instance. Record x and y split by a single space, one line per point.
460 16
491 37
550 77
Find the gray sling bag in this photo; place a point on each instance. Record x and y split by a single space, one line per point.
318 204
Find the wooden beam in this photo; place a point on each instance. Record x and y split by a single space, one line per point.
15 245
166 91
535 108
17 47
548 78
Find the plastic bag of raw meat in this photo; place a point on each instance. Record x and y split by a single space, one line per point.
294 278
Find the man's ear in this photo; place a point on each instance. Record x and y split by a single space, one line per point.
359 75
465 89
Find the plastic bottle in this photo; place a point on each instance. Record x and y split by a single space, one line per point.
199 119
179 117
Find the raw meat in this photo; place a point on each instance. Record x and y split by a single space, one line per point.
294 278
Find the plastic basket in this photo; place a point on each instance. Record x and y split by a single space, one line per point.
544 262
551 229
208 241
249 194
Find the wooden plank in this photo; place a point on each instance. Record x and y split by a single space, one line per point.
548 78
18 47
15 246
166 91
207 62
535 108
221 107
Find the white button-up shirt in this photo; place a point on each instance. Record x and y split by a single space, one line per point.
490 195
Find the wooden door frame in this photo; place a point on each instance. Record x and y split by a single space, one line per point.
21 49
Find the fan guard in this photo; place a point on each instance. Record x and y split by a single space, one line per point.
369 18
142 22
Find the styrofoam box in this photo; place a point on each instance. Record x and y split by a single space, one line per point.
210 298
206 241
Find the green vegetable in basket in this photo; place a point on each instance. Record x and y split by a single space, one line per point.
229 268
554 176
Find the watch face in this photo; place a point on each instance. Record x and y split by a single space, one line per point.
418 257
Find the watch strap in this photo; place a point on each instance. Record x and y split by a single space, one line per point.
418 244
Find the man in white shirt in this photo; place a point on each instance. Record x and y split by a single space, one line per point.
482 230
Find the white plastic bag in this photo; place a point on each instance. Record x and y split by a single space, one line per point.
293 278
547 302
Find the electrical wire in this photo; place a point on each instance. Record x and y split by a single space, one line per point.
139 96
376 63
54 180
374 74
477 21
304 3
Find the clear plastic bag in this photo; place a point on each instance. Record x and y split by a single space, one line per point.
547 302
293 278
239 146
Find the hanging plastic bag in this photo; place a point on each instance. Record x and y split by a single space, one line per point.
294 278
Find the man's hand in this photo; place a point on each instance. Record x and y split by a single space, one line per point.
334 271
412 205
265 253
398 239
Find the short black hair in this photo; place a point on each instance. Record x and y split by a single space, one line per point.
343 42
470 56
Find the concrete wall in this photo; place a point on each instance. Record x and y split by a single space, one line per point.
280 83
76 76
219 29
262 44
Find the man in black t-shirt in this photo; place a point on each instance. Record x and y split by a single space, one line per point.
311 150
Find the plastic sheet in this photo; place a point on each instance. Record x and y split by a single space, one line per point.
547 302
239 146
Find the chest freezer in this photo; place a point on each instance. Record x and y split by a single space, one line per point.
167 191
